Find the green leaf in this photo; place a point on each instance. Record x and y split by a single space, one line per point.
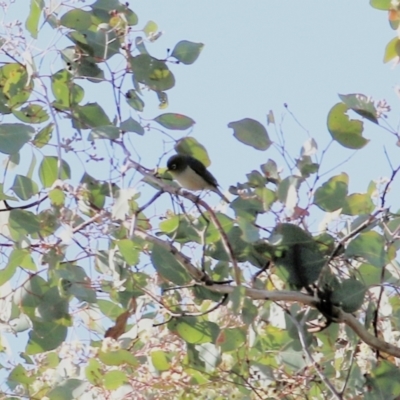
372 276
240 248
152 72
187 52
300 261
118 357
167 266
358 204
191 147
349 295
4 108
270 170
346 132
267 197
24 187
114 379
247 208
255 179
96 191
110 132
106 7
32 21
383 382
21 258
130 125
250 232
150 28
101 44
16 84
231 339
24 221
57 197
391 50
52 307
32 114
93 372
332 194
362 105
249 312
49 222
251 133
77 19
43 136
371 246
175 121
49 170
181 228
133 99
32 166
194 330
293 359
72 281
213 234
3 196
64 389
306 166
110 310
14 160
129 251
13 137
90 116
66 92
381 4
46 336
7 273
20 375
29 295
159 360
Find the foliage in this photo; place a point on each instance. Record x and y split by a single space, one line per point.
113 293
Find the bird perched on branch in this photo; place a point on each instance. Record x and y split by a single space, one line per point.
192 174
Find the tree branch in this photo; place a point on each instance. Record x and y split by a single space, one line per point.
342 317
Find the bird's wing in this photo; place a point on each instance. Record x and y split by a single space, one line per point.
200 169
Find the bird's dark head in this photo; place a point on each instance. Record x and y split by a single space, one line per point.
177 163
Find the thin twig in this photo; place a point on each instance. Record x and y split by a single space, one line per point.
371 220
352 357
385 190
303 341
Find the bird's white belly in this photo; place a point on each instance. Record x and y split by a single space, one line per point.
188 179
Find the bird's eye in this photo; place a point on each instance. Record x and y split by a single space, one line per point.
173 166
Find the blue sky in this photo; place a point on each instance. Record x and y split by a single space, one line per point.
259 55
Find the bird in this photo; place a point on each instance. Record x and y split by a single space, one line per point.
192 174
